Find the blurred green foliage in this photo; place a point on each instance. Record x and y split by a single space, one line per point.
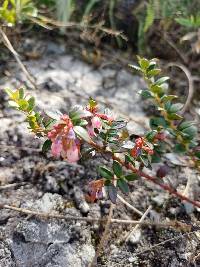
136 18
13 11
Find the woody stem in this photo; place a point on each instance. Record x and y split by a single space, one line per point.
155 181
148 177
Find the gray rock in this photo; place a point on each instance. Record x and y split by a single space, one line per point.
79 198
6 255
159 199
48 203
40 244
135 237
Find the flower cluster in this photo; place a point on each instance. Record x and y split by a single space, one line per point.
96 118
64 140
140 145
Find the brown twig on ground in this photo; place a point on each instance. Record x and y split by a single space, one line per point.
129 205
138 225
8 186
174 224
155 181
173 45
104 237
8 44
148 177
190 83
163 243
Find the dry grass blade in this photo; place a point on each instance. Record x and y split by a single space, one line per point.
8 44
190 83
104 236
174 224
8 186
129 205
138 225
163 243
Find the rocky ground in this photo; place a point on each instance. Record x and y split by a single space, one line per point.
48 185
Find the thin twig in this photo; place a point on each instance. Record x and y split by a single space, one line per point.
163 243
8 44
129 205
173 224
104 236
155 181
138 225
8 186
190 83
173 45
189 182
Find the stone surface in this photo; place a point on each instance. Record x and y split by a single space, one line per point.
50 242
135 237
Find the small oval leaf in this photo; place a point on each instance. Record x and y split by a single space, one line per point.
117 168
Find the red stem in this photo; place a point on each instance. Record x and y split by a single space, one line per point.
155 181
149 178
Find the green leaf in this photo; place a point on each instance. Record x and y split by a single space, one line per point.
122 184
83 123
174 116
197 154
46 146
172 131
117 168
23 104
82 133
152 65
166 98
15 95
144 63
162 80
186 22
157 121
179 148
145 161
8 92
31 103
131 177
189 132
150 16
155 158
175 107
112 193
21 93
48 122
167 105
105 173
54 114
151 135
129 159
185 125
13 104
156 89
145 94
78 112
135 67
92 102
153 72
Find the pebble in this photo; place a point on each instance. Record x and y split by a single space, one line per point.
135 237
